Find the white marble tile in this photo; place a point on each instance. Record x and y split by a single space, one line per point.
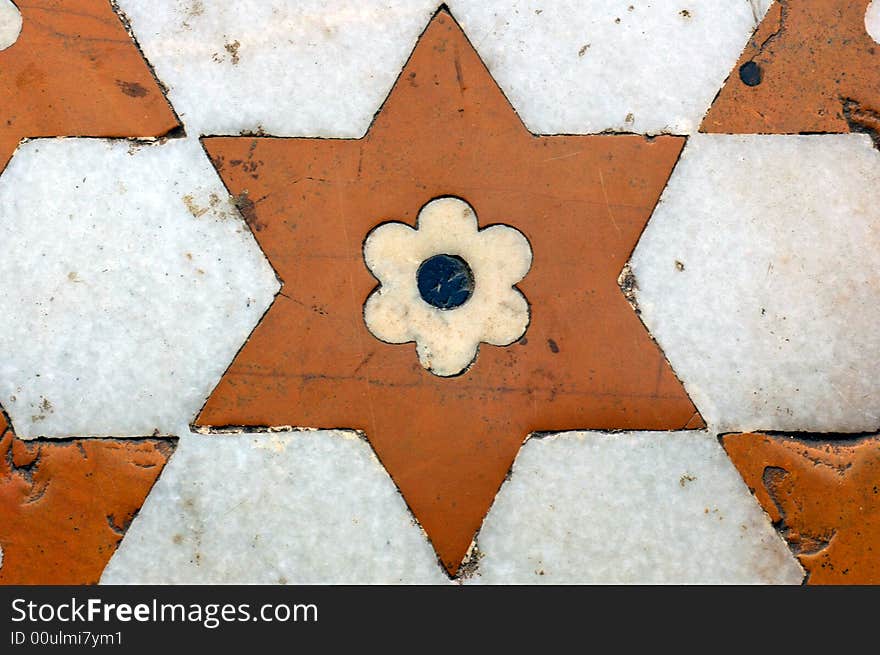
584 67
872 20
759 8
623 508
128 281
288 67
295 507
759 275
323 68
10 23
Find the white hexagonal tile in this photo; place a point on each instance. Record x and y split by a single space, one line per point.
281 507
128 282
642 508
759 275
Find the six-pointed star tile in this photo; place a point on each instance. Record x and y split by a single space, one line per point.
811 67
74 71
586 360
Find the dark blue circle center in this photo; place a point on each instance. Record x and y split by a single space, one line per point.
445 281
751 74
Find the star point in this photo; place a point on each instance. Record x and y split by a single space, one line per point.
74 71
811 66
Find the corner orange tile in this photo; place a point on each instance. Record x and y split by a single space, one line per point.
819 71
64 506
75 71
823 497
586 360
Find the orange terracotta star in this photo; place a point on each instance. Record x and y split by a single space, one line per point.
65 505
811 66
586 360
75 71
823 497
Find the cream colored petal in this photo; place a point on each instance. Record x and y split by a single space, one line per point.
447 218
390 252
508 252
446 354
507 320
388 315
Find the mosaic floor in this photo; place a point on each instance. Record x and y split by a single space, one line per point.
487 292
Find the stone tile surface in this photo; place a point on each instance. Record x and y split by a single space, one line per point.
647 508
824 498
140 268
129 283
759 276
274 508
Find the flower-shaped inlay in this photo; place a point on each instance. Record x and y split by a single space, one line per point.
447 285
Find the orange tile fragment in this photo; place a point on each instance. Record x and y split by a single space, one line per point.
825 498
64 506
75 71
586 360
819 71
